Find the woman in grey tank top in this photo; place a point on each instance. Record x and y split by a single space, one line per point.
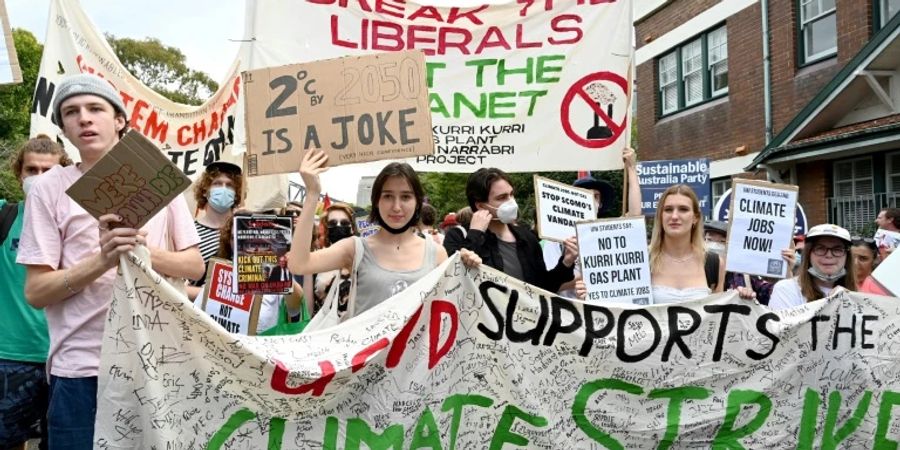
392 258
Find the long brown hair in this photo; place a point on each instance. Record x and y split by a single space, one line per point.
808 283
658 236
395 169
346 209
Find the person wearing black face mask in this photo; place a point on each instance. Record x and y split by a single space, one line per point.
339 224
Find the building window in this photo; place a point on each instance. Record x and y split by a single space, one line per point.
854 205
887 9
694 72
818 29
893 180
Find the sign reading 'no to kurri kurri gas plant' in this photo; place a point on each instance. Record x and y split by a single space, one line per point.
474 359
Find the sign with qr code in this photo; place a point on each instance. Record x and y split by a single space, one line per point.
761 226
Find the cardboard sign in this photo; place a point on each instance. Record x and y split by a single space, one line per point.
134 180
560 206
236 313
656 176
760 226
356 109
615 261
886 273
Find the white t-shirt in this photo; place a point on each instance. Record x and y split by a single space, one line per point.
787 294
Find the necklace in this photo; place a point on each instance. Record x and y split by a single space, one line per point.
680 260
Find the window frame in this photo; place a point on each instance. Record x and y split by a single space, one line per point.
891 171
853 178
880 18
704 69
803 58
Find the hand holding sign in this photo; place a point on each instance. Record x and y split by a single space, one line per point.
115 242
761 226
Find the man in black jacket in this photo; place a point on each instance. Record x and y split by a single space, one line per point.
502 244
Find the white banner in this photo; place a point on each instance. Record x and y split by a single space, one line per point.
474 359
523 86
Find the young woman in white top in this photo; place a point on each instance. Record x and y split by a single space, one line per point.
394 257
826 263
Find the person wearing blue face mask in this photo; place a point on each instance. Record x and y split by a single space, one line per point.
217 194
494 236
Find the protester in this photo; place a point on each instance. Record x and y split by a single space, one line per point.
715 236
865 258
889 219
23 350
217 193
426 224
392 258
340 224
888 222
70 270
827 263
455 235
799 243
500 243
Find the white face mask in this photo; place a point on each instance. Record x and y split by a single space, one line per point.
715 247
508 212
27 183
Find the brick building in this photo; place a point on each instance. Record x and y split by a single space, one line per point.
829 99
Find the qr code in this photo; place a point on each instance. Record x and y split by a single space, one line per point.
775 266
641 301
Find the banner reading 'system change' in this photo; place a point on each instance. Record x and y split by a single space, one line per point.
523 86
474 359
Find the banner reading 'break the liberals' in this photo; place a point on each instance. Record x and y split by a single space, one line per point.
473 359
519 85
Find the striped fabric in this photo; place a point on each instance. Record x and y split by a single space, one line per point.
209 244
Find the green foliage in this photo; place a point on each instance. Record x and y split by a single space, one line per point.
447 191
163 69
15 99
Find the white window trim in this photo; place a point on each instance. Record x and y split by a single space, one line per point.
698 70
673 83
804 22
711 65
885 17
891 171
854 178
703 70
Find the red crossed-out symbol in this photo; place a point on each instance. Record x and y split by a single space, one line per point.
579 90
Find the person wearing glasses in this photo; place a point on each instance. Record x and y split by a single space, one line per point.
339 224
826 264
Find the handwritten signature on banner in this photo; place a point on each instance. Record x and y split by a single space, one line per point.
474 359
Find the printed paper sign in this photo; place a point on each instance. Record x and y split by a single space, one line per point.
134 180
560 206
236 313
657 176
887 271
615 263
474 359
520 85
761 226
261 244
361 108
722 212
10 71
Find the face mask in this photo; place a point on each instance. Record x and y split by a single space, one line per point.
824 277
798 258
338 232
389 229
221 199
27 183
508 212
715 247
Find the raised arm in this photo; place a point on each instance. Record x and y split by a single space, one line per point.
302 260
634 185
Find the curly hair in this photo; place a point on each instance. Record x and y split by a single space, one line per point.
43 145
201 189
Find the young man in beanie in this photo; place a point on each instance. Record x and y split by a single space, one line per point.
70 257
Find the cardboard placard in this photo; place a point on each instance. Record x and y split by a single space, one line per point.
560 207
655 177
236 313
615 260
134 180
761 224
356 109
10 71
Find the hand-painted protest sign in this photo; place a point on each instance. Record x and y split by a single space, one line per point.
365 227
190 136
134 180
476 359
615 263
356 109
236 313
559 207
524 86
722 212
10 71
761 225
656 176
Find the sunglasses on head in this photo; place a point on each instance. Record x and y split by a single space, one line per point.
338 223
292 213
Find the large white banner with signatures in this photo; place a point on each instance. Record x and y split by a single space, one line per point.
473 359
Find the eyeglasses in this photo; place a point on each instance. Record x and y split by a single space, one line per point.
862 240
835 251
292 213
336 223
